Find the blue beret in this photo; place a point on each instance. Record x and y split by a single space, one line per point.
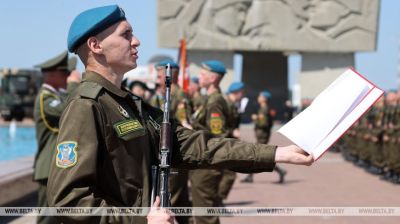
266 94
214 66
236 86
195 79
92 22
165 62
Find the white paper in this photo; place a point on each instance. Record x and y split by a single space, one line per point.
332 112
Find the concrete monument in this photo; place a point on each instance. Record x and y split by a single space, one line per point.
325 32
278 25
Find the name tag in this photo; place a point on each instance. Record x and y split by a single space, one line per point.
127 126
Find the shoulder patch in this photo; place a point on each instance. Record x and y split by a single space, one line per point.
66 154
216 125
54 103
90 90
181 114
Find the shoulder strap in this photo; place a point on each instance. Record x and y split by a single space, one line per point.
90 89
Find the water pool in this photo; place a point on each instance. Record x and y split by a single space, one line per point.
18 144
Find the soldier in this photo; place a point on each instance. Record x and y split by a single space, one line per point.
233 99
396 141
263 124
363 135
344 147
289 110
375 142
354 149
180 108
194 93
235 94
197 99
112 136
49 105
390 138
215 117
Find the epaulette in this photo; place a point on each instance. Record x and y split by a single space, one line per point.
90 90
46 92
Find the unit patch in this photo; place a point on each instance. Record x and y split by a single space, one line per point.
54 103
181 114
66 154
216 125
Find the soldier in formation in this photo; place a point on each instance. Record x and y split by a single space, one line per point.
373 142
263 122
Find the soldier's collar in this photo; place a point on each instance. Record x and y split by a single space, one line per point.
97 78
49 87
174 88
217 92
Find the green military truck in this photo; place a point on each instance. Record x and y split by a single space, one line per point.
18 88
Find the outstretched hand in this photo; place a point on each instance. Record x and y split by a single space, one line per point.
294 155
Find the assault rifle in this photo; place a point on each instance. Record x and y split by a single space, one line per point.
160 174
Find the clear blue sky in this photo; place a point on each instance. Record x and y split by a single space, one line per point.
33 31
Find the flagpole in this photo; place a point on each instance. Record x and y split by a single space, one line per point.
183 72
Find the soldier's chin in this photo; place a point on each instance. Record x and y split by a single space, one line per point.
132 66
129 68
203 85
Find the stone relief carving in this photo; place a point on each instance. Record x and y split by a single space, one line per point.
281 25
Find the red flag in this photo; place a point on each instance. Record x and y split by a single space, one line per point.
184 78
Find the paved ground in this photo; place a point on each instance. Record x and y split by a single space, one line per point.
330 182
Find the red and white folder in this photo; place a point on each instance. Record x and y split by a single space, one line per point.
331 113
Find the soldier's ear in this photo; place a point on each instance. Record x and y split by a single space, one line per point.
94 45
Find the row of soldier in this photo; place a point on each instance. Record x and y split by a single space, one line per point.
373 142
